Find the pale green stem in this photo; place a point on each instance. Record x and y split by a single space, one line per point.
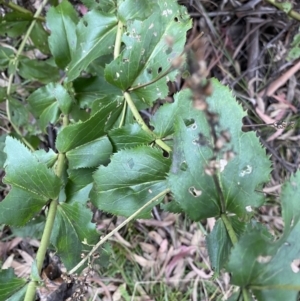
118 40
15 62
123 114
142 123
20 9
104 239
40 256
234 241
229 229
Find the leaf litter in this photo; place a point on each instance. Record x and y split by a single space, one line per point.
257 70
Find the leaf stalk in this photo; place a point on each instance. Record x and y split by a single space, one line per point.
142 123
104 239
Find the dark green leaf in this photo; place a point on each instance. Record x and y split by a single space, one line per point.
133 177
95 37
47 102
19 207
72 227
81 133
163 120
79 185
172 206
128 136
9 284
135 9
91 154
6 54
192 186
33 229
14 23
38 70
62 22
24 172
39 37
269 269
218 245
19 113
89 89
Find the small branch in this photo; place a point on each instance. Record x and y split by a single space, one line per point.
170 69
21 9
142 123
292 13
104 239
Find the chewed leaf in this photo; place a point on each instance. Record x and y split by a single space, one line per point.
151 45
190 179
134 177
270 268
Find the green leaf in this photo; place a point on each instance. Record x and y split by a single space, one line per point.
62 21
148 53
129 136
81 133
95 37
294 52
33 229
47 102
48 158
14 23
91 154
2 153
19 207
87 90
219 243
163 120
6 54
133 177
192 186
135 9
23 171
19 113
72 227
107 6
39 37
79 185
268 266
38 70
9 284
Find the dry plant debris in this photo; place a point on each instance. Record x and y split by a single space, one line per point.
245 45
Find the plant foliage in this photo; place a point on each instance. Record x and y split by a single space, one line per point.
100 71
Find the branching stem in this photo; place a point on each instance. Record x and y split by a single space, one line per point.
291 13
21 9
142 123
41 253
15 64
104 239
